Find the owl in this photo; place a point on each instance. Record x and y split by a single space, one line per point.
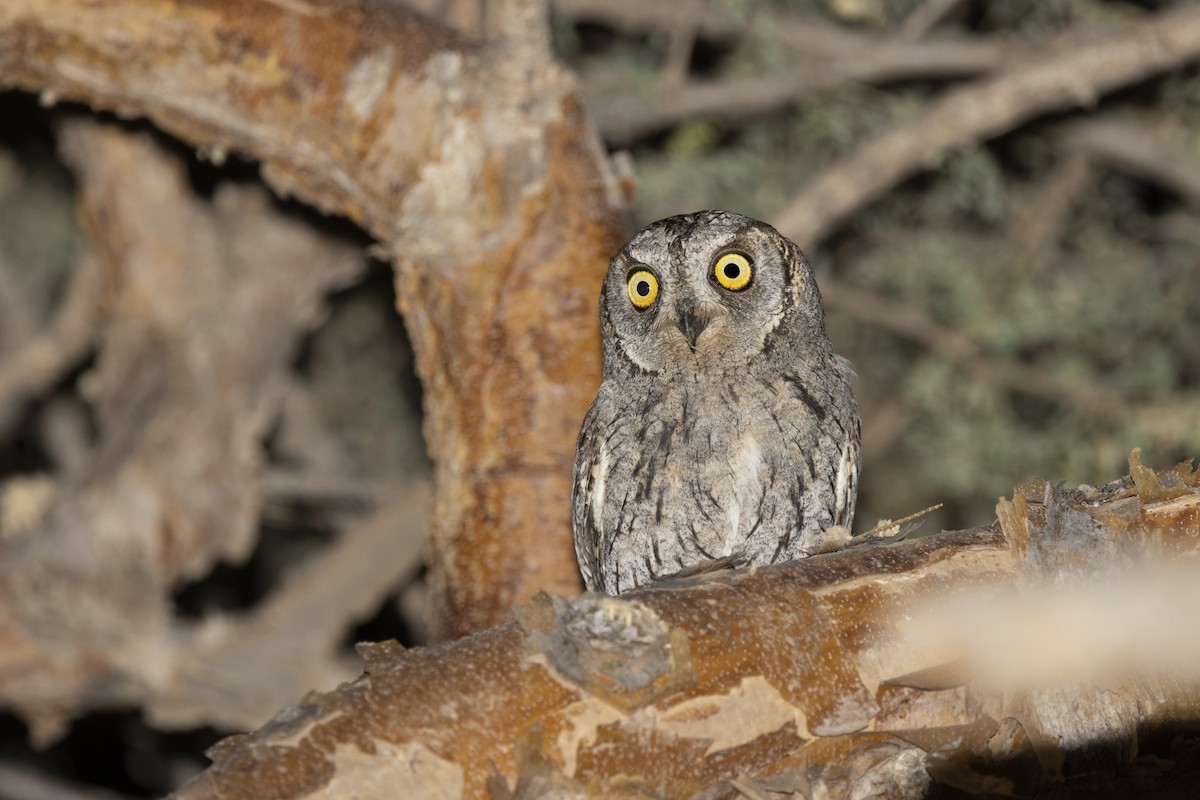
725 427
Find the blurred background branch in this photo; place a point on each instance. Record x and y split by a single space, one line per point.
998 199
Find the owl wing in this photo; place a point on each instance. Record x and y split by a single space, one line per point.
845 486
846 483
587 498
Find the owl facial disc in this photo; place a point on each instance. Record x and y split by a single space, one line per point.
707 291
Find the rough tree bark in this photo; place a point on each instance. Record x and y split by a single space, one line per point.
818 677
475 168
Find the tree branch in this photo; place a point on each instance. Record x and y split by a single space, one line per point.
834 58
40 363
291 641
830 674
1162 421
1141 150
924 18
480 178
1071 78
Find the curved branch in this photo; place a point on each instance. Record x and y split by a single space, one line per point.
474 166
804 34
1075 77
41 362
835 57
1141 150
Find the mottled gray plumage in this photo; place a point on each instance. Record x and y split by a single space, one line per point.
725 425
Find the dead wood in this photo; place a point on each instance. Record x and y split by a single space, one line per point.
292 640
924 18
876 670
832 57
199 307
474 167
42 360
1071 77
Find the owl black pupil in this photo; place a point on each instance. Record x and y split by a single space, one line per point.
732 271
643 288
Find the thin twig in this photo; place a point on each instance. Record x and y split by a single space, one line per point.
42 361
834 58
1164 421
1142 150
1074 77
806 35
624 118
924 18
1038 226
885 525
954 345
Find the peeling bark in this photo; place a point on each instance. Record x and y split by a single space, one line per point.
476 169
817 677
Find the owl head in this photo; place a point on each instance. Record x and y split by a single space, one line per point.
708 290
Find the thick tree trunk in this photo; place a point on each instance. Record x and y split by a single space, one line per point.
872 671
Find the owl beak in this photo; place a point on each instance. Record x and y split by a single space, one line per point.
691 322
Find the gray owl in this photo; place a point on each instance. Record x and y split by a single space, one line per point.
725 427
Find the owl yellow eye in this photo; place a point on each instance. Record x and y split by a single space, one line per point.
733 271
643 288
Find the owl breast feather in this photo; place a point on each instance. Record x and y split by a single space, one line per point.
697 473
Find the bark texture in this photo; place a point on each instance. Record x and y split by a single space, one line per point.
816 677
473 165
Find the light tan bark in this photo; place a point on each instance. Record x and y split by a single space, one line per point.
474 166
821 677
